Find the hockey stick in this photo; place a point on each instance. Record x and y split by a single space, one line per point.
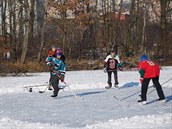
161 85
44 90
50 89
148 88
117 98
135 94
71 90
65 84
30 87
41 85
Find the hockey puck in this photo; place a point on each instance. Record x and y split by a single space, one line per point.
41 91
30 90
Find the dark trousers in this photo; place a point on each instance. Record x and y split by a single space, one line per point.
115 77
157 85
55 84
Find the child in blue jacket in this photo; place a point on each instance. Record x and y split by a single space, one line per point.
57 69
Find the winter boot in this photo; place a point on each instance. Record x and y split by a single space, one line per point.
142 102
116 85
162 100
53 96
108 87
50 88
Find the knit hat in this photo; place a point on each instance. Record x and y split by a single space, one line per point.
53 46
144 57
59 50
112 51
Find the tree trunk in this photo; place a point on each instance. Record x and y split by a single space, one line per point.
143 48
31 21
14 30
21 28
42 42
26 36
163 25
42 31
25 46
3 16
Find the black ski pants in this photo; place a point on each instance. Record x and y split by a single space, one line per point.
110 77
55 84
157 85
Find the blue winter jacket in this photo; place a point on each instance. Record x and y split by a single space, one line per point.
57 65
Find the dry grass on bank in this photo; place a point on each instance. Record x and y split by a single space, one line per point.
73 64
84 64
33 66
9 67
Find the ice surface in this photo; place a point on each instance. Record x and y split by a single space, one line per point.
98 109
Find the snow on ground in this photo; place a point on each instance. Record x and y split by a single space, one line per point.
96 109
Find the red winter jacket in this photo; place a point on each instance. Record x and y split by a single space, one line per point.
52 53
150 69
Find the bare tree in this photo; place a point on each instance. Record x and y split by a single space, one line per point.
26 33
163 25
42 30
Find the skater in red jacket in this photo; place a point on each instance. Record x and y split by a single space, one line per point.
52 52
149 70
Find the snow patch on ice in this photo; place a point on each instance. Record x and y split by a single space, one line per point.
163 121
7 123
137 122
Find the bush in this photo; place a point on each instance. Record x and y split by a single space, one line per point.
32 66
